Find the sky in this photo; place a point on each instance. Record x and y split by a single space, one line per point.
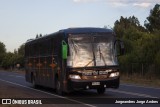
21 20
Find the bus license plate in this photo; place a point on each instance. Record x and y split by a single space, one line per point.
95 83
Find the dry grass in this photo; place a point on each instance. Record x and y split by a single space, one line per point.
16 71
147 80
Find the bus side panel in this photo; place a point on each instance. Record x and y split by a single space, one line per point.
44 60
27 63
27 76
27 72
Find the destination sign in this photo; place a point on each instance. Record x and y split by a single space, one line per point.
89 73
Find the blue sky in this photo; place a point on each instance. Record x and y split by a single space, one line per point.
23 19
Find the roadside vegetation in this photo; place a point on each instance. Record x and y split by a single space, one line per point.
140 80
11 60
142 48
141 62
142 44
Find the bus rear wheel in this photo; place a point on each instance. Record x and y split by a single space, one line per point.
33 82
101 90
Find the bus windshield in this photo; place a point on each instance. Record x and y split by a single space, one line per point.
91 50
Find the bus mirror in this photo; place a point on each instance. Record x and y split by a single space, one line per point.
119 45
64 50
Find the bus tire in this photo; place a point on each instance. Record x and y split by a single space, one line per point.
33 82
58 87
101 90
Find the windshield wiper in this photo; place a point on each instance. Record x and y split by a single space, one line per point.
93 55
101 56
88 63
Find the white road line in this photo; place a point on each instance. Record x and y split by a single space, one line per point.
11 75
132 85
20 76
48 93
131 93
16 76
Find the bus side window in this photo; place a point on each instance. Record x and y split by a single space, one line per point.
52 46
35 49
44 48
49 47
26 50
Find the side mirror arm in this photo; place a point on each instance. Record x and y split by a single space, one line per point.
121 46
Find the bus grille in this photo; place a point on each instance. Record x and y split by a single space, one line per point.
94 77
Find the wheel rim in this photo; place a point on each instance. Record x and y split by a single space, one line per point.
33 83
58 85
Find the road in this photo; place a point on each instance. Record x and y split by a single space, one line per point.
17 82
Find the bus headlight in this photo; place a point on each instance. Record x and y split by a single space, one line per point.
114 74
74 76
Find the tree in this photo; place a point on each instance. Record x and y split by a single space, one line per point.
153 20
2 52
8 60
2 48
21 52
11 59
140 45
40 35
124 24
37 36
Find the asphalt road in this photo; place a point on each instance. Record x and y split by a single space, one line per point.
83 98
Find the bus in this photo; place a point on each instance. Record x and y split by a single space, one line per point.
74 59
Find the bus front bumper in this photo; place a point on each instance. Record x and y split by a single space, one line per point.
94 84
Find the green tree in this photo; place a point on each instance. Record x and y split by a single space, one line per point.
21 52
2 52
153 20
8 60
139 45
124 24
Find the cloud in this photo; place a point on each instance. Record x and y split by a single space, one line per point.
135 3
120 3
143 5
117 4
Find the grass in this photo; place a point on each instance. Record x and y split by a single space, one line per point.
149 81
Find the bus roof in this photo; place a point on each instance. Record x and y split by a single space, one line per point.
86 30
75 30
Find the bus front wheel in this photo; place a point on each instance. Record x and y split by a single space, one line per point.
58 87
